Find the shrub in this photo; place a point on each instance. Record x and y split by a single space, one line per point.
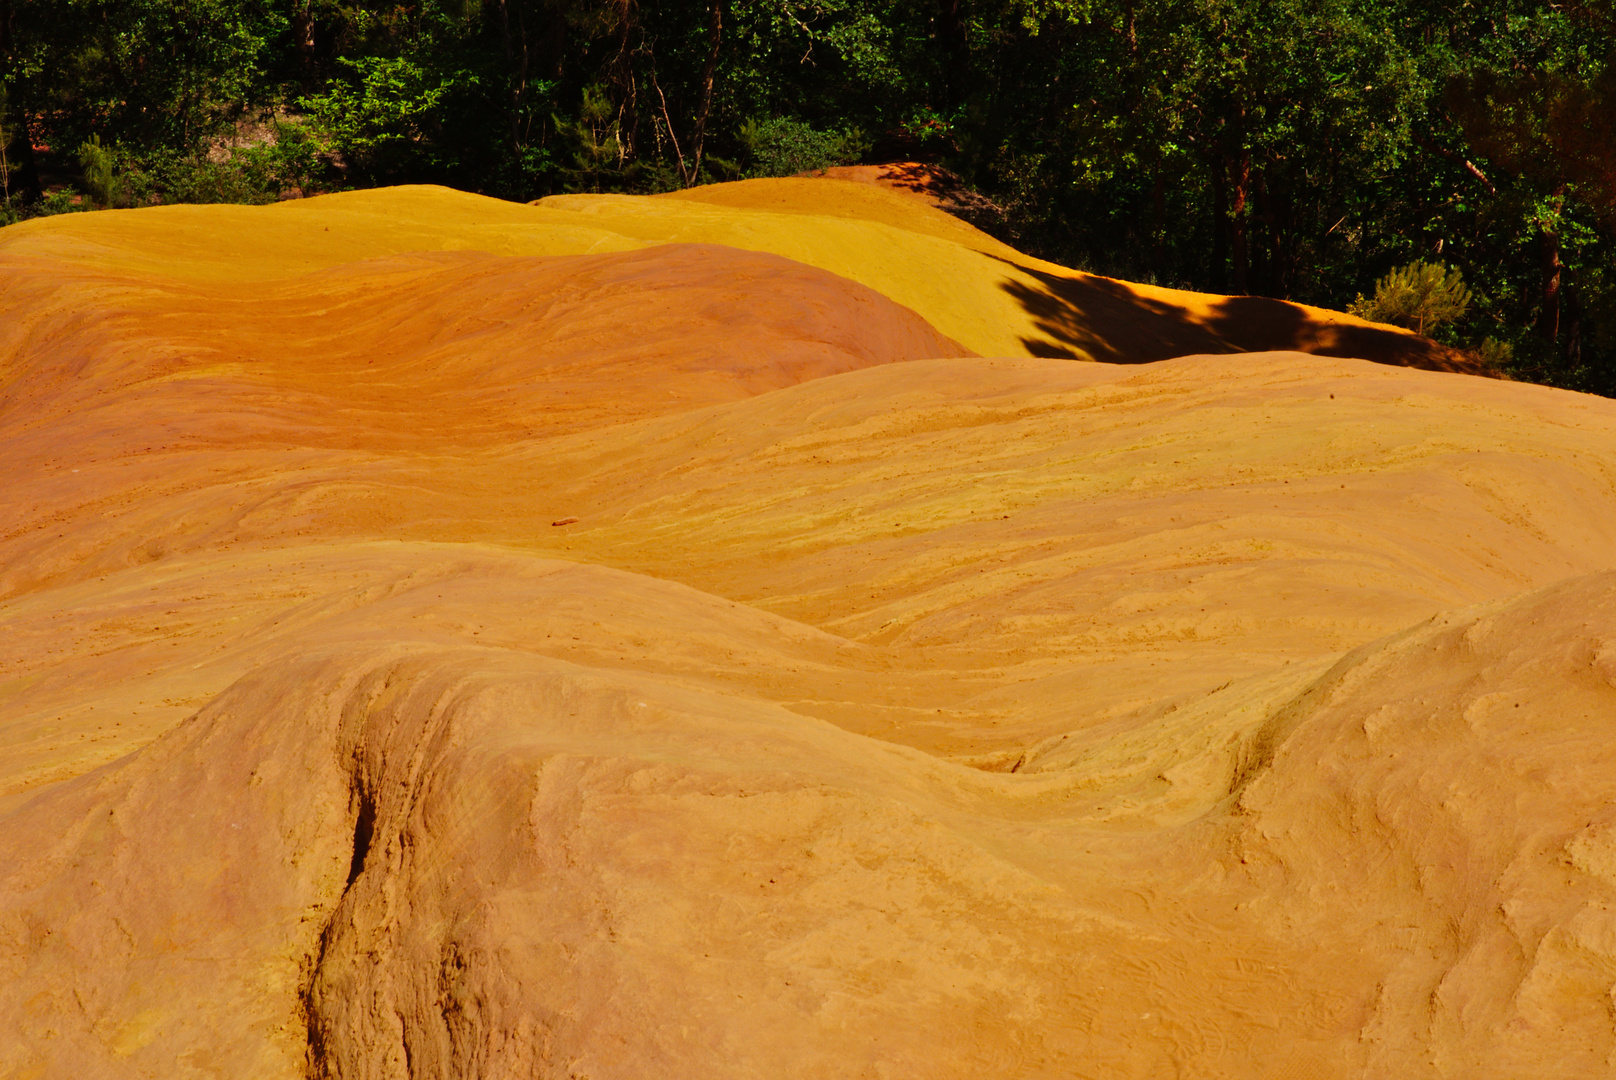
288 161
1420 297
100 178
1493 354
65 200
783 147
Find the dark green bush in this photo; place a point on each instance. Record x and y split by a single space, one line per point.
782 146
1421 296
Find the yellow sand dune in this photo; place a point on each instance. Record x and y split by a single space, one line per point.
604 639
975 290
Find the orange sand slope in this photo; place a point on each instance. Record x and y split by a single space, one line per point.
992 299
884 711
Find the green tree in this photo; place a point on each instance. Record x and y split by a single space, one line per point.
1421 296
1548 128
383 118
99 170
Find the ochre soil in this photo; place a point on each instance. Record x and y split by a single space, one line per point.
717 636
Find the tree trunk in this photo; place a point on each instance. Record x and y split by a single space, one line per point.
303 37
673 136
956 50
715 29
1548 324
1158 225
1261 241
1574 338
1279 232
1220 224
1240 181
516 67
556 46
628 108
1456 159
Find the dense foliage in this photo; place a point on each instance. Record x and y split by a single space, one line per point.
1293 148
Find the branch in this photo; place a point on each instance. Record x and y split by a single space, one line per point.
684 178
715 34
807 57
1457 159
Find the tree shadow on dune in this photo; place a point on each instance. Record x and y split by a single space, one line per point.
935 182
1095 318
932 183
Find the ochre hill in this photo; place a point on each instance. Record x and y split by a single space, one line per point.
604 639
990 298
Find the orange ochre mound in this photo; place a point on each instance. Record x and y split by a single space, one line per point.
752 633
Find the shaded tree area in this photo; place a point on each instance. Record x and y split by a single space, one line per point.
1302 149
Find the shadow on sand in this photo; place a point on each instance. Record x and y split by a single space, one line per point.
1088 317
932 183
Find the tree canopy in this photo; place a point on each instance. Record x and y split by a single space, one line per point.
1302 149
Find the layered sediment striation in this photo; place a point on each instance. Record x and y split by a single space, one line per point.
879 709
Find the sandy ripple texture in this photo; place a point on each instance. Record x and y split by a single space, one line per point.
777 631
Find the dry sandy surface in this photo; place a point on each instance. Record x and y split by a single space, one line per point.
623 638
